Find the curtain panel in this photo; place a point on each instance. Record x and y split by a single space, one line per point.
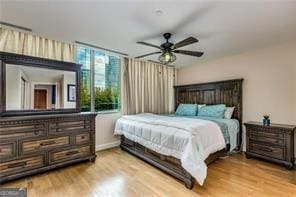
13 41
146 87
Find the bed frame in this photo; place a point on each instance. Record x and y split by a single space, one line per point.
227 92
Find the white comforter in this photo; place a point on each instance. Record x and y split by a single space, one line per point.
190 140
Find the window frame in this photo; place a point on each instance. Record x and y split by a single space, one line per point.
92 80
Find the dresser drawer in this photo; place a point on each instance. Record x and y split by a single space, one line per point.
70 154
44 144
7 150
59 127
260 138
269 151
21 165
22 131
82 138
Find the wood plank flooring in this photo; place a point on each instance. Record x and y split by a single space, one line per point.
117 173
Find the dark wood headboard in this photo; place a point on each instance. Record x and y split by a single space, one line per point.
220 92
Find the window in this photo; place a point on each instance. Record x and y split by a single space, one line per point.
83 57
100 81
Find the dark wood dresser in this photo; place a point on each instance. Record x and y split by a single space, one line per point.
32 144
273 143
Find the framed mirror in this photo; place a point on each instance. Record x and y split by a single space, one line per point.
32 85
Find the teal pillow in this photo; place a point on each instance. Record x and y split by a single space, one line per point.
213 111
186 110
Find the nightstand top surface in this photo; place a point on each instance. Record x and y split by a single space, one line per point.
290 127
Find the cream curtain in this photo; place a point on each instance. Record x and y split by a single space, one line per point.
26 44
146 87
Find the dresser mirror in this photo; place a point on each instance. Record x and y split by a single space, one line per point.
31 85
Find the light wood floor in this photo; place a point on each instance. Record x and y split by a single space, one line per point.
117 173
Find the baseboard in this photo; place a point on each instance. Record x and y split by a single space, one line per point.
107 145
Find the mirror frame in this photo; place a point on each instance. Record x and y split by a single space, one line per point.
24 60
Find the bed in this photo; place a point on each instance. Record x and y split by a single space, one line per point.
169 142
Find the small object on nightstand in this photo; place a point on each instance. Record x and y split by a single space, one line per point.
266 120
273 143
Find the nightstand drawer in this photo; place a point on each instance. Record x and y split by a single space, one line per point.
269 151
266 133
259 138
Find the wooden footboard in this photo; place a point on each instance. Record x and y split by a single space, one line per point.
168 164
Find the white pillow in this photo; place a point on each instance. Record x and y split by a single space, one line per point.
228 112
200 106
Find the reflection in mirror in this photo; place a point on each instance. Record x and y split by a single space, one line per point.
33 88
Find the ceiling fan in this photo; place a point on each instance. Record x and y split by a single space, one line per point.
168 49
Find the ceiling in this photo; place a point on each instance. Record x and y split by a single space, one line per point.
222 27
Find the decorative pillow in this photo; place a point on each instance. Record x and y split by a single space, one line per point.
200 106
214 111
228 112
186 110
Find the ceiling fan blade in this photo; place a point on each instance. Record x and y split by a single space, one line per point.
148 54
192 53
185 42
151 45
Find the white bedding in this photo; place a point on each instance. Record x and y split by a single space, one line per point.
190 140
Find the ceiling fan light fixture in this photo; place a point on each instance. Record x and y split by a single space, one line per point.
168 49
167 57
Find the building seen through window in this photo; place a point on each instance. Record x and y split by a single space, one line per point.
106 82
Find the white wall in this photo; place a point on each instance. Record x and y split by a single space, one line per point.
269 85
270 80
105 124
295 92
68 79
27 95
13 87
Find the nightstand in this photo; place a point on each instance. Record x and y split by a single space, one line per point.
274 143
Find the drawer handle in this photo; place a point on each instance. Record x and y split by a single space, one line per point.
47 143
17 165
58 130
278 135
36 132
38 126
265 149
72 152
